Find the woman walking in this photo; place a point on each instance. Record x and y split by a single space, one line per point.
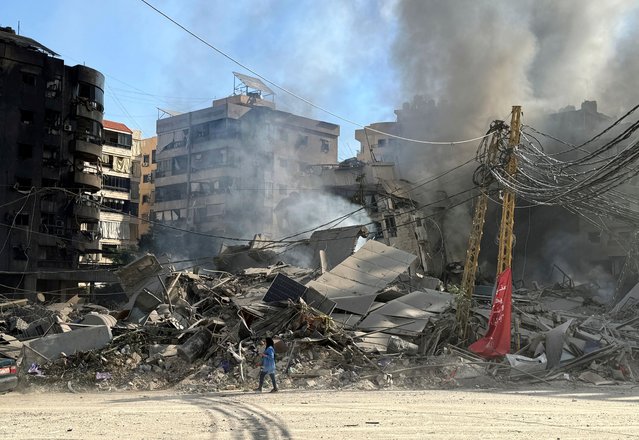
268 364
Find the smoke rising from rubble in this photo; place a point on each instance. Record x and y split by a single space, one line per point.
467 62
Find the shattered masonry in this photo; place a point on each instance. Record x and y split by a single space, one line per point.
365 324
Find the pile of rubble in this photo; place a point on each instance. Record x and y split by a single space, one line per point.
363 324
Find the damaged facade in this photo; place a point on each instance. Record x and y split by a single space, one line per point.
225 168
51 136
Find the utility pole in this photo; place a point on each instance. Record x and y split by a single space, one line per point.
505 256
504 259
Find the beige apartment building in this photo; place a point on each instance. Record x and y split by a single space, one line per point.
119 223
147 182
224 169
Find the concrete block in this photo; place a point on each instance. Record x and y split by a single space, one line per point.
83 339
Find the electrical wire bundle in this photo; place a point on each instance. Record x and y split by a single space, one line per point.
586 181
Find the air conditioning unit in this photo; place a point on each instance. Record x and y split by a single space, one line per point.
68 127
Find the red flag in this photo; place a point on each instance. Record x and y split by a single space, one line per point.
496 342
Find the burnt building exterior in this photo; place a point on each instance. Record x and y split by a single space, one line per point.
51 138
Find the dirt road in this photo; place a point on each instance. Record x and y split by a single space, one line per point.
585 413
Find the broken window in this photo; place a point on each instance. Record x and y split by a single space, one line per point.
52 121
145 160
91 95
53 87
25 151
325 146
391 226
146 198
26 117
146 178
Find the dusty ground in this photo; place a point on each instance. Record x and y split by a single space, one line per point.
535 413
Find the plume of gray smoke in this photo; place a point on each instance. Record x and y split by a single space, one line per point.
471 60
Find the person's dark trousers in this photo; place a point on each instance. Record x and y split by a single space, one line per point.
263 375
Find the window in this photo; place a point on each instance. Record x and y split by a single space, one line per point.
25 151
91 94
28 79
22 219
146 178
145 160
153 159
146 199
24 183
325 147
26 117
381 143
391 227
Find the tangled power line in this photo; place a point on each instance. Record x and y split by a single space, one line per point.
585 180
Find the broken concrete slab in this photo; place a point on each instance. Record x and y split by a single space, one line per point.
52 346
354 283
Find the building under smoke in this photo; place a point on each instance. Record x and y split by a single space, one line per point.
224 170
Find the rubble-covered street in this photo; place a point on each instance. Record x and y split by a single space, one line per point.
344 329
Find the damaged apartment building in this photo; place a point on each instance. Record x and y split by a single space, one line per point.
225 168
51 138
119 197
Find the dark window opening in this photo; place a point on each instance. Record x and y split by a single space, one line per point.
28 79
25 151
153 158
93 95
381 143
26 116
20 253
24 183
325 147
146 199
391 226
145 160
594 237
22 219
121 140
116 183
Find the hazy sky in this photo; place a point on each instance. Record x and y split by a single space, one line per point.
361 59
333 53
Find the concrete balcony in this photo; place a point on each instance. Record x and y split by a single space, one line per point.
87 213
86 149
88 181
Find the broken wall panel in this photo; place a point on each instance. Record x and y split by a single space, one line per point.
362 274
